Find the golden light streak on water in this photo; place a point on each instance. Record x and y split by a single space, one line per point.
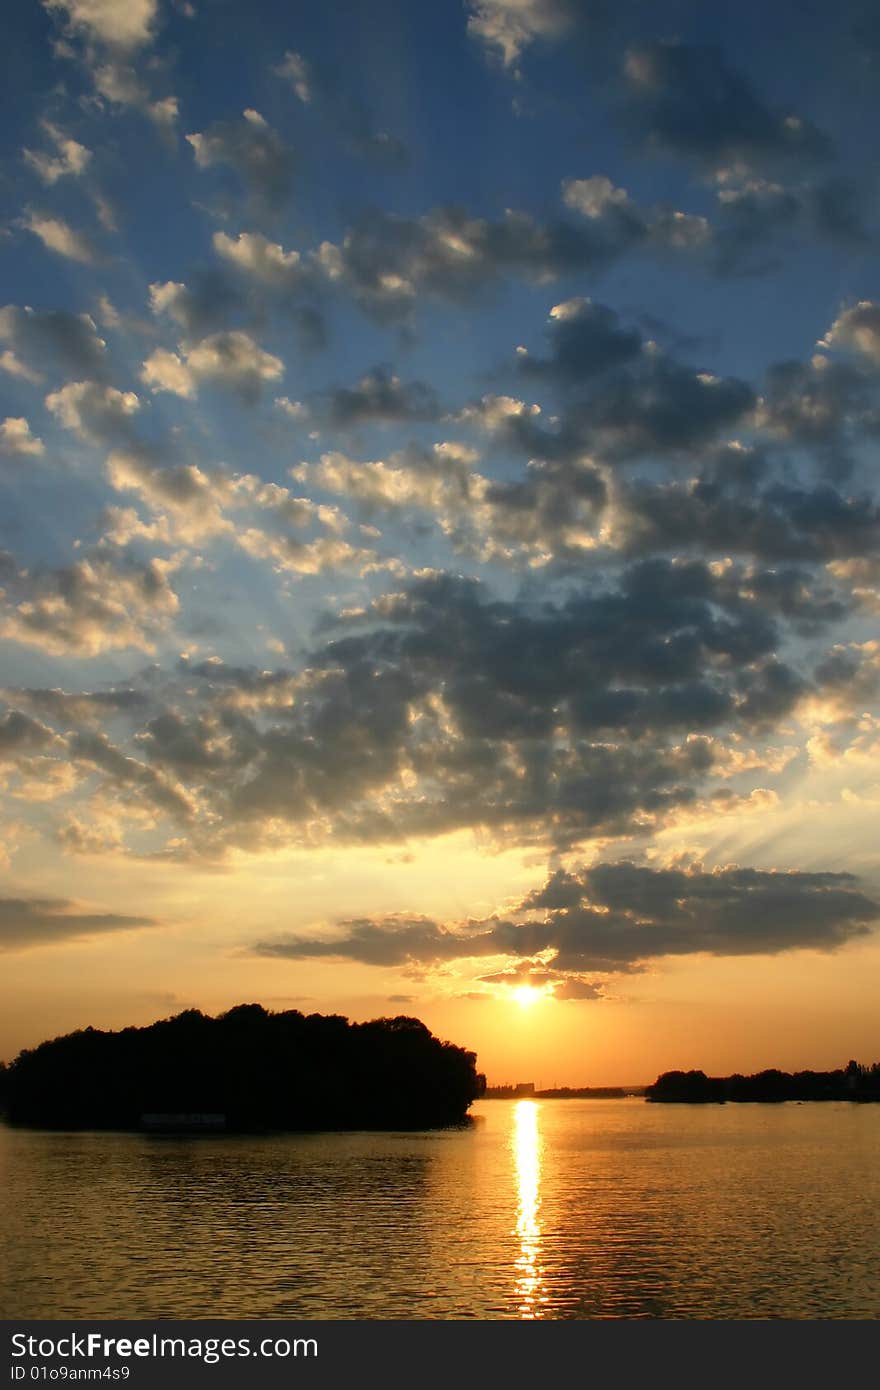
526 1144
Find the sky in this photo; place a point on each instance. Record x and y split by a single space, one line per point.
439 533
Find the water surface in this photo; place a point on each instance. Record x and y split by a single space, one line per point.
554 1209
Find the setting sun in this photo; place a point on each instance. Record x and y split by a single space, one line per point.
527 995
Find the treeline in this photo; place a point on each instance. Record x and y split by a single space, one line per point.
584 1093
256 1069
853 1082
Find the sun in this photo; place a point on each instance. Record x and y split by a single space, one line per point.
526 995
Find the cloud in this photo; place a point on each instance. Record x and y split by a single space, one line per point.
267 261
123 85
378 398
439 480
192 505
95 412
20 734
258 276
70 158
342 112
193 499
651 404
254 151
824 406
611 711
56 235
686 99
610 918
69 707
386 261
27 923
112 38
234 360
14 366
164 370
555 984
729 509
292 555
231 359
128 776
554 509
760 219
397 940
51 338
585 340
122 26
508 27
857 328
660 406
442 707
659 229
16 439
204 303
89 607
622 912
295 70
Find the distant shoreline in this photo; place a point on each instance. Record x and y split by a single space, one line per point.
564 1093
855 1082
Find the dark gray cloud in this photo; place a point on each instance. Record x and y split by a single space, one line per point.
257 154
652 406
624 671
687 100
19 734
26 923
393 941
125 773
203 305
441 706
824 406
385 261
79 707
659 406
724 511
467 697
625 912
760 221
613 916
378 398
586 339
53 339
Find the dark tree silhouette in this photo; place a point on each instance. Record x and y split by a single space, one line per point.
258 1070
856 1082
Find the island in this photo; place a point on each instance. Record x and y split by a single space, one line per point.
854 1082
245 1070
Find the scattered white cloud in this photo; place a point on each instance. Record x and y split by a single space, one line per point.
16 438
58 236
122 24
232 359
70 158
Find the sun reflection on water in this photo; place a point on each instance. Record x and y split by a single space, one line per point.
526 1144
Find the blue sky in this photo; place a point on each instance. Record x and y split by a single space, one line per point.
438 447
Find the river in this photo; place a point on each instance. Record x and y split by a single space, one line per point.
551 1209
